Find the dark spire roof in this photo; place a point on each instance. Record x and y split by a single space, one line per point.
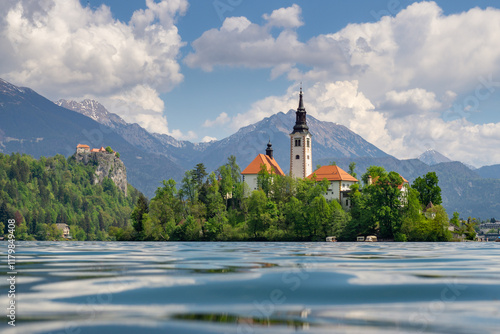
269 150
301 101
300 116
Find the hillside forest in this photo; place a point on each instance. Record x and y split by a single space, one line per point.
39 194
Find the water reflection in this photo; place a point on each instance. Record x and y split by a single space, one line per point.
257 287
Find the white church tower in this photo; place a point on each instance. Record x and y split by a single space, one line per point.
300 144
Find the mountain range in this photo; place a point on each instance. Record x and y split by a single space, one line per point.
29 123
330 139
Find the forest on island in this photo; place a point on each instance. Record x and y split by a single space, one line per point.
214 206
39 194
218 207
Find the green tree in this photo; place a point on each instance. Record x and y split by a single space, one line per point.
138 215
265 179
319 218
226 182
261 211
294 218
361 222
109 149
189 187
235 169
378 203
199 174
469 231
352 166
428 189
373 172
412 218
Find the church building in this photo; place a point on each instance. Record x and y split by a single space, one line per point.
251 173
300 144
301 162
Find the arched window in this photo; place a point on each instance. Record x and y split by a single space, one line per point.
297 157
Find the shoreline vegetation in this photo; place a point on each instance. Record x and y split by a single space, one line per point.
218 206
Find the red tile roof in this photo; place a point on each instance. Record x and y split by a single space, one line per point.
82 146
332 173
94 150
261 159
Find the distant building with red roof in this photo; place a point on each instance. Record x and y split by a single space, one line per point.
340 183
251 172
81 148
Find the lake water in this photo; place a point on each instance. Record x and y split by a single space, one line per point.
125 287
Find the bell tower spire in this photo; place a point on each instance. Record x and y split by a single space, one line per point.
301 102
300 116
300 143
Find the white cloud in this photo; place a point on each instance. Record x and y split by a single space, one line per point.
240 42
410 101
397 77
178 134
62 49
208 139
418 48
285 17
223 118
140 105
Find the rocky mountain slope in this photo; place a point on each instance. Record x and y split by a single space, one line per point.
330 139
31 124
489 172
432 157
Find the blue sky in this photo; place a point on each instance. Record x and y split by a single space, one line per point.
406 75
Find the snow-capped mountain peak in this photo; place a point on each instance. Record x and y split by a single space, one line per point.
432 157
94 110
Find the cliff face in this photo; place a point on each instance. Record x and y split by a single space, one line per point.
108 165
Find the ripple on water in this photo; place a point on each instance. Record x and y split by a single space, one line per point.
258 287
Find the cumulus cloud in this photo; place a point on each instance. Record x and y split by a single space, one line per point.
240 42
208 139
190 135
285 17
398 79
410 101
62 49
223 118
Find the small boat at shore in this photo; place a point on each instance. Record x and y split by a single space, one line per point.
369 238
331 239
